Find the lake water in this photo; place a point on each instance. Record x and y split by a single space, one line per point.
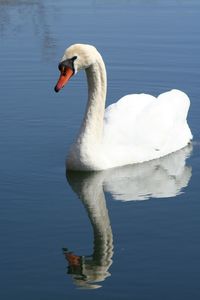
130 233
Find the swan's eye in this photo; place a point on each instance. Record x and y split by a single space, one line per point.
62 68
73 58
68 63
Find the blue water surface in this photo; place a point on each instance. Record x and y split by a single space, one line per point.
128 233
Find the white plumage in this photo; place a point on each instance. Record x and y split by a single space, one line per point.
137 128
145 127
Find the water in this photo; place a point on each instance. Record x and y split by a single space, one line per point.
134 230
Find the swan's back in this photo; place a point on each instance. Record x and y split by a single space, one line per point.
141 127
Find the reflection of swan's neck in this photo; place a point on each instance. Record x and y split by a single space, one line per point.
103 239
92 127
89 187
93 198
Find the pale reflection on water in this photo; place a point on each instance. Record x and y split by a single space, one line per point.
15 16
164 177
87 270
159 178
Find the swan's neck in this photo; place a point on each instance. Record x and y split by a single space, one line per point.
92 126
86 150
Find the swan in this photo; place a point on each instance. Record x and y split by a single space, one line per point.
135 129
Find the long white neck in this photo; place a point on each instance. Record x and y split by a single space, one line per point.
92 126
85 151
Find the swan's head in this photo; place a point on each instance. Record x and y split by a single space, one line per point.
75 58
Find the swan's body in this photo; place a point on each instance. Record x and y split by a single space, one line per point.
137 128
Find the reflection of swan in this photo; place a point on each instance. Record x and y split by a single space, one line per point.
164 177
159 178
138 128
86 270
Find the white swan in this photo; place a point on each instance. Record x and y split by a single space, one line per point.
137 128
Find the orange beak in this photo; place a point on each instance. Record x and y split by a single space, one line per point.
64 78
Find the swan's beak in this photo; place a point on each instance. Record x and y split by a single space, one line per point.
64 78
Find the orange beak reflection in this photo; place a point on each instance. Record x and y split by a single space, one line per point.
65 75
